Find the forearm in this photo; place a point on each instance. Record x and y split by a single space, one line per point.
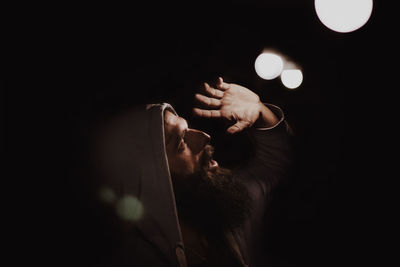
271 147
271 157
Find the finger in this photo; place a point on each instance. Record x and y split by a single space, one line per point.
207 113
213 92
222 85
237 127
208 101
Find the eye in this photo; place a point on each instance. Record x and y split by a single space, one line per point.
182 143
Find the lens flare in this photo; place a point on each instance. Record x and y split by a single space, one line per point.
107 195
130 208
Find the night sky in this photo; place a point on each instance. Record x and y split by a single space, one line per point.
83 60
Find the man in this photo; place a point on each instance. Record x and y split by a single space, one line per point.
167 202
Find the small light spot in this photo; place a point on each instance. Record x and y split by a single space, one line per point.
107 195
130 208
292 78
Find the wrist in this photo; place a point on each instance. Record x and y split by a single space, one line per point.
266 117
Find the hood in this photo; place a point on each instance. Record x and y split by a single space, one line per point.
133 175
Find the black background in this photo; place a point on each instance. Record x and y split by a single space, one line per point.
67 64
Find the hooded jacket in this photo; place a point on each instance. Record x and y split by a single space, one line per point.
133 185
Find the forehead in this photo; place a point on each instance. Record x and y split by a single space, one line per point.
170 118
173 124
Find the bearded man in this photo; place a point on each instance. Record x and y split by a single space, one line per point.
171 202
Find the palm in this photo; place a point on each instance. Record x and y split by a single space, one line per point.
230 101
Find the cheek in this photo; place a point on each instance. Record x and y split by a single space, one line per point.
184 164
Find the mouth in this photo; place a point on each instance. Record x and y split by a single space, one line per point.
209 164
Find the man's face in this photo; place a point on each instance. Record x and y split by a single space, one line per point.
205 193
185 147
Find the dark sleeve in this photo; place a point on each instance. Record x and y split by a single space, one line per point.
271 154
267 167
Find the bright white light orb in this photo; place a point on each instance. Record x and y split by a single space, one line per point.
292 78
343 15
268 66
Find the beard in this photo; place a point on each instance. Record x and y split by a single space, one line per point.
211 200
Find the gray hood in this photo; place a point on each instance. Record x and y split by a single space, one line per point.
134 179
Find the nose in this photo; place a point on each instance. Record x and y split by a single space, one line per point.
196 140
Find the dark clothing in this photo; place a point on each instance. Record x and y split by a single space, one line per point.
130 162
263 172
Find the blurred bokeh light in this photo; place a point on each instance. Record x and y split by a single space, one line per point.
268 65
130 208
343 15
292 78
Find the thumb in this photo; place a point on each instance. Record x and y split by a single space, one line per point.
238 126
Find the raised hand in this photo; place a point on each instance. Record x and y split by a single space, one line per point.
231 101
